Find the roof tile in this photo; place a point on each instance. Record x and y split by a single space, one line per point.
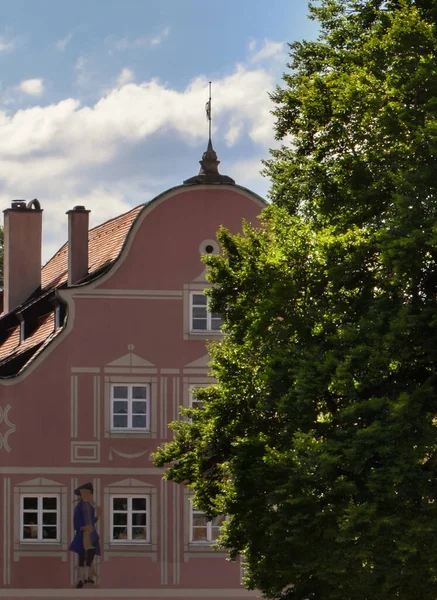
104 244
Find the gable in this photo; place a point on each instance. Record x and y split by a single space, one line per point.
40 482
130 360
128 483
200 362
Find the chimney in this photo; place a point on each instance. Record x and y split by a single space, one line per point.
78 219
22 252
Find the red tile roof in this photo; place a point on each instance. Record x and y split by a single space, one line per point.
105 242
45 327
11 342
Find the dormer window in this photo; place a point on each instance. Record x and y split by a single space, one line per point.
22 327
57 316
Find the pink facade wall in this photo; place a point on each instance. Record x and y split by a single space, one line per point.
130 325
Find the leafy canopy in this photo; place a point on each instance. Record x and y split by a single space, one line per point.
320 438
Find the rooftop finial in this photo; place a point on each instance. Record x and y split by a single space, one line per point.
209 164
208 112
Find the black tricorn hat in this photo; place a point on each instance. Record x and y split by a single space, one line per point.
85 486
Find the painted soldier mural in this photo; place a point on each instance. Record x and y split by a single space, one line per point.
86 542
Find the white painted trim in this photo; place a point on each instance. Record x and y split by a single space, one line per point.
62 554
84 470
121 593
215 247
212 553
93 449
133 370
176 398
164 531
151 293
131 554
117 294
126 454
7 531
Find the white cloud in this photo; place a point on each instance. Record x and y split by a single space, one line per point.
160 37
234 133
126 76
86 74
125 43
62 44
32 87
252 45
7 44
126 147
247 173
269 50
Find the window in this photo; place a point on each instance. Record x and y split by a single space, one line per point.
194 402
202 530
130 407
40 518
201 318
130 519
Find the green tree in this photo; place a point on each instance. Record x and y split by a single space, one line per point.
320 438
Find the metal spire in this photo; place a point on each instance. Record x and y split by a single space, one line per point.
209 164
208 111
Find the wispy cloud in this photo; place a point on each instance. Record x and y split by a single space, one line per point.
158 39
8 44
252 45
32 87
126 76
84 73
62 44
124 43
268 50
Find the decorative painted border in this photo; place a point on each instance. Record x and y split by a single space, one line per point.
91 450
4 417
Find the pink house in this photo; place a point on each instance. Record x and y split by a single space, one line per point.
98 350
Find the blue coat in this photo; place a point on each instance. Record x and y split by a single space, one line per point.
84 514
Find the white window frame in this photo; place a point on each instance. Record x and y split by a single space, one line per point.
129 539
129 400
209 528
193 402
208 314
40 538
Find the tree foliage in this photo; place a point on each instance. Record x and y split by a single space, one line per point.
320 438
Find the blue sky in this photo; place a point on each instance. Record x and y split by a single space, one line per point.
102 101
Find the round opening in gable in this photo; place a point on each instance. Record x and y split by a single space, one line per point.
209 247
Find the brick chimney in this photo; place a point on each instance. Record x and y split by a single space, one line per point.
78 220
22 252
